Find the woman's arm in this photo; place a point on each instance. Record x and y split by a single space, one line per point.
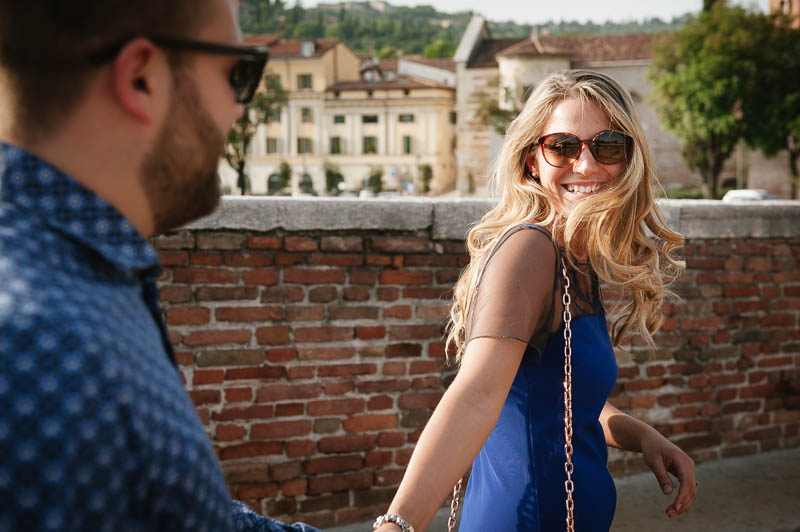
626 432
457 429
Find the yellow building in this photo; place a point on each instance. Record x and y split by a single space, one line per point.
353 118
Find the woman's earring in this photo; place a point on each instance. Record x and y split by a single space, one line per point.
532 173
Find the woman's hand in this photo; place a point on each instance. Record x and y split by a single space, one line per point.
664 457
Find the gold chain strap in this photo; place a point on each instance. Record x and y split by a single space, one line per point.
569 486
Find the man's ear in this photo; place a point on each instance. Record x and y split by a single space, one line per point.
140 79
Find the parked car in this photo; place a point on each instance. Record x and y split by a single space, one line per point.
748 194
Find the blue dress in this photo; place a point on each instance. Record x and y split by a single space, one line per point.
517 479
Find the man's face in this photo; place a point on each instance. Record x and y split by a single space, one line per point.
179 174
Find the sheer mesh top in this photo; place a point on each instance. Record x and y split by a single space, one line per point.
518 294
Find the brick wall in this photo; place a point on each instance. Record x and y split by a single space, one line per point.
309 334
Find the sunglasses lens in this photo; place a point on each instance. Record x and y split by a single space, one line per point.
610 147
245 77
561 149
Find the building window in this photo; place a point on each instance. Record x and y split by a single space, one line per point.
307 48
303 145
336 145
406 117
304 81
407 144
406 92
272 81
369 93
338 119
273 145
305 115
274 115
452 117
369 119
370 145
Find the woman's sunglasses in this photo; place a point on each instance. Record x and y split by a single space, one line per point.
245 75
607 147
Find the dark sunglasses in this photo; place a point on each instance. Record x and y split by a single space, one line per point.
245 75
607 147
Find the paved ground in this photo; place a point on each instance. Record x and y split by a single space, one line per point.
758 493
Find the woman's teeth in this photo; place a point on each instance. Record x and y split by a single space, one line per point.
580 189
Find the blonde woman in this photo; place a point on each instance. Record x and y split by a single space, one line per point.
575 179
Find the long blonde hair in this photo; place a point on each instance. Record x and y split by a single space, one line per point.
611 224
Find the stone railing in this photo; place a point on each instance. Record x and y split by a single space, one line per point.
309 333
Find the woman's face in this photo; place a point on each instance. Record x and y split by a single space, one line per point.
585 176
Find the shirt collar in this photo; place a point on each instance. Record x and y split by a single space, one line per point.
65 205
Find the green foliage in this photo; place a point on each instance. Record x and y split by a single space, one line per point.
701 76
387 52
439 48
332 179
488 110
285 173
426 176
241 134
375 179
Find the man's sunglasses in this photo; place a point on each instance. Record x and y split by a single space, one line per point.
245 75
607 147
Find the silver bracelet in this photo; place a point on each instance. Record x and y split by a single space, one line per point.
393 518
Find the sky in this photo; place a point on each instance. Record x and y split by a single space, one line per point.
540 11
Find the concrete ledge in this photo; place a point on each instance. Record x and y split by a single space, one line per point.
449 219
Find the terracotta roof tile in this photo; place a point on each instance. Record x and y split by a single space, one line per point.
261 40
485 58
587 48
406 82
287 48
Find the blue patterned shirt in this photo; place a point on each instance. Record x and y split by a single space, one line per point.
96 430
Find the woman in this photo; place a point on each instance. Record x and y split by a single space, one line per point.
575 176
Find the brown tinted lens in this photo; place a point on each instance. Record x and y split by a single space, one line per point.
245 77
610 147
561 149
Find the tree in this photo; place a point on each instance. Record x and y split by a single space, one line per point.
701 76
439 48
333 179
772 106
243 130
375 179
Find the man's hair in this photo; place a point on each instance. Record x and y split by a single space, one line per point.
45 44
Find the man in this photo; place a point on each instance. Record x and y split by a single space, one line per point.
112 118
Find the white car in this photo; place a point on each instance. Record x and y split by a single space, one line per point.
748 194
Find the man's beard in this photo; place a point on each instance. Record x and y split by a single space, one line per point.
179 175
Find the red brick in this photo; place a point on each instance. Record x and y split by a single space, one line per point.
741 291
305 313
763 434
403 350
285 471
356 293
406 277
363 277
225 293
204 276
761 390
255 373
238 395
425 366
394 368
248 314
272 335
391 439
354 481
289 259
290 409
389 477
280 429
188 316
378 260
204 397
294 487
341 243
778 320
175 294
204 258
370 422
348 443
173 257
264 242
299 243
229 432
245 413
256 491
775 361
283 294
419 400
696 397
402 457
250 450
686 412
279 392
352 313
336 406
394 244
398 311
326 353
427 293
718 380
342 370
297 448
333 464
217 337
388 293
648 384
335 259
208 376
379 459
323 334
313 276
248 260
370 333
414 332
260 277
643 401
323 294
380 402
383 386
